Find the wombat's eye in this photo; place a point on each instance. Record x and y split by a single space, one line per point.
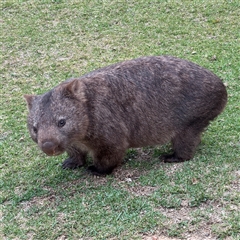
61 122
34 129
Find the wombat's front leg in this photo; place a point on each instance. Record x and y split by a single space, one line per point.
105 161
77 158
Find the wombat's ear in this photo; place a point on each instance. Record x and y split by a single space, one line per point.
71 89
29 100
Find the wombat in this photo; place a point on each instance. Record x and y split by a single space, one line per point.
136 103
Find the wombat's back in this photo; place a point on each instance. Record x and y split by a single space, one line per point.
153 98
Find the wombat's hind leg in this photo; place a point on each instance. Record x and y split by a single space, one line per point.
171 158
76 159
105 161
184 146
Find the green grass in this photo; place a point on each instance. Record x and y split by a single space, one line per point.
45 42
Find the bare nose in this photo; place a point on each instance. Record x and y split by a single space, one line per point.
49 147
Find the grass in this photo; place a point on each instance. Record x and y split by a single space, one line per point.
45 42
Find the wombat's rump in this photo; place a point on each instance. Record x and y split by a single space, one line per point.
136 103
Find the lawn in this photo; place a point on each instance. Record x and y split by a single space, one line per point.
45 42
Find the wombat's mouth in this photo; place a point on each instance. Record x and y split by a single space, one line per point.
51 148
53 153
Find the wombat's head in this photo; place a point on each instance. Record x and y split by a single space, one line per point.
58 118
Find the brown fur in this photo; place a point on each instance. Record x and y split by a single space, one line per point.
136 103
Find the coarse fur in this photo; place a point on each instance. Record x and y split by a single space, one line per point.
142 102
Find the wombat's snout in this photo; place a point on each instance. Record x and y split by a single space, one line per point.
51 148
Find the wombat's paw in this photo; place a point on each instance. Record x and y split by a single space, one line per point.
95 171
72 163
171 158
